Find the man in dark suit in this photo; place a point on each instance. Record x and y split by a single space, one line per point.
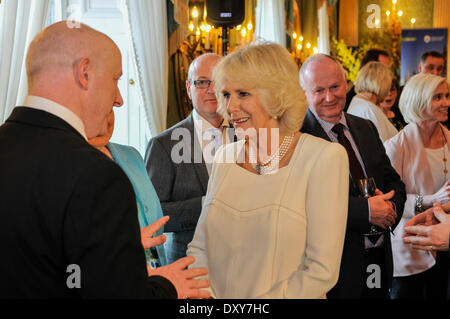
179 160
366 266
69 216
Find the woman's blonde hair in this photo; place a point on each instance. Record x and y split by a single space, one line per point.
376 78
270 70
417 96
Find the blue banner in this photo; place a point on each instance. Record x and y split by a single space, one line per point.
416 42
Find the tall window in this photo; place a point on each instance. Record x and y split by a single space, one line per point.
1 15
108 16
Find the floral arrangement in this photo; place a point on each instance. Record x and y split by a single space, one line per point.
349 58
387 38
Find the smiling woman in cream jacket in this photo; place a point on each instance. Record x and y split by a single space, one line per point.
420 155
273 223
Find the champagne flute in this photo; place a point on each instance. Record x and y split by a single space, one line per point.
367 189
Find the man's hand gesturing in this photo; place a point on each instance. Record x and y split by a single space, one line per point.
184 279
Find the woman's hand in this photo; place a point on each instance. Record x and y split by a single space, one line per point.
442 196
147 233
428 232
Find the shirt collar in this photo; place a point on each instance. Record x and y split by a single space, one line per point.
40 103
327 126
202 124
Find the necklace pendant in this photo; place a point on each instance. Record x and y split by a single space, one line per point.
444 159
445 171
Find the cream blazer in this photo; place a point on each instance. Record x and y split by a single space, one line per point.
274 236
408 157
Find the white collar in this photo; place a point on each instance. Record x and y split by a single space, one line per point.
58 110
327 126
200 122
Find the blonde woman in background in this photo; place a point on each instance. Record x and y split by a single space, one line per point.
420 155
274 218
372 87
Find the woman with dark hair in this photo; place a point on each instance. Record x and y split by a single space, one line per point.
390 106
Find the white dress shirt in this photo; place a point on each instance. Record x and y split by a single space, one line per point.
209 137
327 127
58 110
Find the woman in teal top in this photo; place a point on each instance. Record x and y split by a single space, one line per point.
148 205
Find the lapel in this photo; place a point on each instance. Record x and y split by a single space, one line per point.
364 148
313 127
196 153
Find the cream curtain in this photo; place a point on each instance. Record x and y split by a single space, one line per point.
20 22
181 17
323 42
148 27
270 21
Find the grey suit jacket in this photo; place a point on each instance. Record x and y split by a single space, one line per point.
179 185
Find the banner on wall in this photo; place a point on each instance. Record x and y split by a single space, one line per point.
416 42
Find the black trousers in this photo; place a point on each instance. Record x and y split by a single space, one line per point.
376 281
427 285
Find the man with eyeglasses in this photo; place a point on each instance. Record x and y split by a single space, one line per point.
179 160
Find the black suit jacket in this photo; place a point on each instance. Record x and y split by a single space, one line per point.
64 203
378 166
349 97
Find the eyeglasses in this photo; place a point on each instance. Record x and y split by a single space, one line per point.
202 84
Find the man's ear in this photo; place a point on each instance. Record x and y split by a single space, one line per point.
420 67
81 72
188 88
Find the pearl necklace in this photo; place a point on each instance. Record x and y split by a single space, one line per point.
274 159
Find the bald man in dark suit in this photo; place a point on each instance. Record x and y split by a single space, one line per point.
324 81
69 215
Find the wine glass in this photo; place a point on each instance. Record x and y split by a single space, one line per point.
367 189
